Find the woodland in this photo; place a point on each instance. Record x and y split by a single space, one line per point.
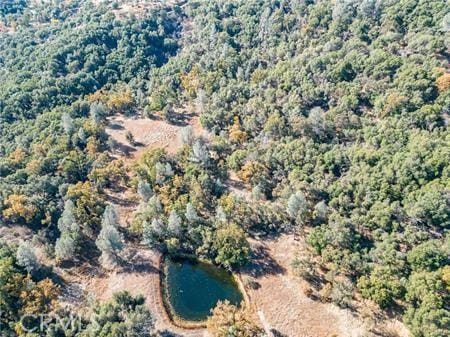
333 115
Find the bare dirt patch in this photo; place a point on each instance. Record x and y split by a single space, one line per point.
139 274
237 187
283 306
151 133
15 233
146 132
125 8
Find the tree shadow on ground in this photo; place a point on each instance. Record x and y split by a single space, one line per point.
72 293
121 201
124 149
180 119
141 267
167 333
136 263
261 263
315 280
116 126
276 333
236 184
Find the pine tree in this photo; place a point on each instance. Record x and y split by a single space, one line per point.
155 204
187 135
144 190
321 210
200 101
82 135
112 144
150 210
175 224
168 171
97 112
316 120
109 241
159 173
65 247
67 221
258 193
163 171
154 232
191 214
147 234
67 123
297 206
27 258
220 214
200 152
110 217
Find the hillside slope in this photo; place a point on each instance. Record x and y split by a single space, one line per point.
325 123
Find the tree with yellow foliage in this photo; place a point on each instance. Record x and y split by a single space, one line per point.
89 206
38 297
446 277
19 207
227 320
236 134
443 82
17 157
20 294
191 81
107 173
231 246
120 100
252 172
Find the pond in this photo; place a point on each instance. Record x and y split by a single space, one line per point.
193 288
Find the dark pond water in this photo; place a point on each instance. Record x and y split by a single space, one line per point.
193 288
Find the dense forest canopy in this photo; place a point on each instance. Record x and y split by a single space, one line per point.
45 74
334 114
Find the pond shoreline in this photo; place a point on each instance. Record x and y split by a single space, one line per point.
164 294
174 319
